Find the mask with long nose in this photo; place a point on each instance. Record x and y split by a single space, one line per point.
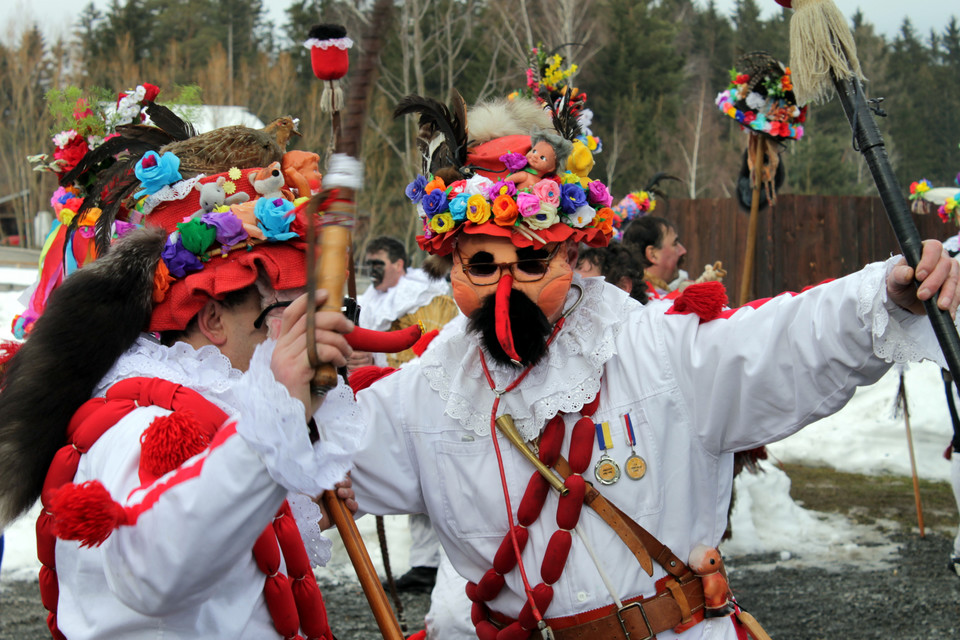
513 296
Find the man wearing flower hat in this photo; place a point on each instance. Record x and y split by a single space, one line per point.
176 473
633 411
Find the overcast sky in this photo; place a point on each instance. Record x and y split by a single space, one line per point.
56 16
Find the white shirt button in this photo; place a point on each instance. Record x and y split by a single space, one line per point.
582 596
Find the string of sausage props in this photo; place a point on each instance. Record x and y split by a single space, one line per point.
336 207
823 57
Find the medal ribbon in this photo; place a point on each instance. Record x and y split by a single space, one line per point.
628 424
604 440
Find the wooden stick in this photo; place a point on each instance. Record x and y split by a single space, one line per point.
746 278
902 401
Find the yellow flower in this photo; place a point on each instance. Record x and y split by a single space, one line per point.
478 209
234 173
229 187
569 177
441 223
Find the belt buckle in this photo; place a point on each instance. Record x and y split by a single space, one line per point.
623 624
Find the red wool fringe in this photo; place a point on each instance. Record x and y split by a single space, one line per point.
170 441
705 299
85 512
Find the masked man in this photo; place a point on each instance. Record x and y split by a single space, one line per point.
647 404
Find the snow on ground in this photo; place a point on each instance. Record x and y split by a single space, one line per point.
864 437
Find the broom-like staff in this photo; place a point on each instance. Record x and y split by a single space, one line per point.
823 56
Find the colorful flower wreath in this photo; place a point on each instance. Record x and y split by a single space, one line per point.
541 214
633 205
948 210
769 107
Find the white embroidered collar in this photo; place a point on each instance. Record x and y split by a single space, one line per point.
415 289
567 378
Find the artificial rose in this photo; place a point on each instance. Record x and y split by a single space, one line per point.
441 223
582 216
229 228
604 220
548 191
61 195
572 197
458 207
456 188
156 172
150 91
274 217
545 218
179 260
122 228
569 177
434 202
501 188
436 183
71 154
161 281
597 194
197 236
513 161
478 184
528 204
415 190
505 211
478 209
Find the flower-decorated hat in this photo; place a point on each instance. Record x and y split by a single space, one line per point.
633 205
760 97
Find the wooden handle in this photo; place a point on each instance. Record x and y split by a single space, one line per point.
369 581
332 275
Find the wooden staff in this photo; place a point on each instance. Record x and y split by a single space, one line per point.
746 279
902 403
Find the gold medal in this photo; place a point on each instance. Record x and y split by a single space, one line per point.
635 466
607 470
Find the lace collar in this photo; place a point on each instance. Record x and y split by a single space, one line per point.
414 289
567 378
205 370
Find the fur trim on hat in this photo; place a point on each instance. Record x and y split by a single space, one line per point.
90 320
499 118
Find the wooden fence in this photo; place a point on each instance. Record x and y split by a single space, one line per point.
801 241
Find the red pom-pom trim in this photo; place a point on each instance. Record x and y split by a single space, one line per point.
85 512
506 559
705 299
555 557
170 441
581 445
363 377
568 511
421 345
533 498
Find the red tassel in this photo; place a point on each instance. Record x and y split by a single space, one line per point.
543 596
502 316
555 557
533 498
490 585
168 442
421 345
705 299
514 631
552 440
505 559
568 511
85 512
581 445
363 377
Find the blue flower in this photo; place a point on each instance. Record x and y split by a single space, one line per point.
414 190
458 207
435 202
572 197
155 172
274 218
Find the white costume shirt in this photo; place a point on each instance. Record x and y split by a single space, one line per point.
186 569
695 393
378 309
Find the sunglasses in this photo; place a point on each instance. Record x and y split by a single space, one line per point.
526 270
258 323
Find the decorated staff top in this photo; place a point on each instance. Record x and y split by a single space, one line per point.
760 97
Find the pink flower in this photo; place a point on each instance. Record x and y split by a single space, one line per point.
598 194
548 191
528 203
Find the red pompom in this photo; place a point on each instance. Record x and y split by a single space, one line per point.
505 559
542 596
490 585
170 441
706 299
363 377
85 512
533 498
555 557
568 511
421 345
552 440
581 444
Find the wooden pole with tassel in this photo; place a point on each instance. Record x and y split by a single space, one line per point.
823 57
757 143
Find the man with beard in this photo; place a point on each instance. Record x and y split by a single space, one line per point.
657 246
646 404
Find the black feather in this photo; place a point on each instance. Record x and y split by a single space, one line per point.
170 123
652 185
58 367
564 115
435 117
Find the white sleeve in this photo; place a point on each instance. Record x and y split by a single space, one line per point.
759 374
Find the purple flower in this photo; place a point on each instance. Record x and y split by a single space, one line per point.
274 216
229 228
179 260
572 197
435 202
501 188
123 228
514 161
598 194
414 190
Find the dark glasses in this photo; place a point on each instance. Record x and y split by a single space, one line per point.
527 270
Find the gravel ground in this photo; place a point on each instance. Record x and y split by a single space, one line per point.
913 597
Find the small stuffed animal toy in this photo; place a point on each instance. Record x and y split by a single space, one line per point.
268 181
712 273
213 196
707 564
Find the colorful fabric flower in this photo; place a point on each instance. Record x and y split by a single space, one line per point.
505 210
156 172
545 218
71 154
604 220
434 202
528 204
478 184
458 207
513 161
441 223
415 190
583 216
274 216
502 188
197 236
179 259
548 191
597 194
436 183
572 197
456 188
478 209
229 228
569 177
